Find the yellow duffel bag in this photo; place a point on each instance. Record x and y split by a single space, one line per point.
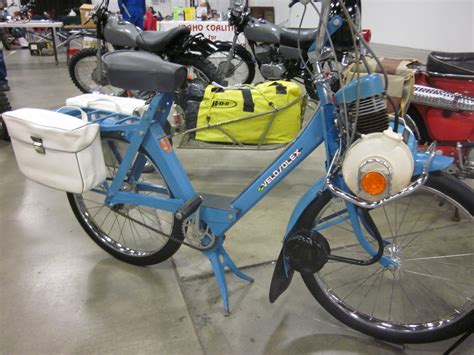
268 113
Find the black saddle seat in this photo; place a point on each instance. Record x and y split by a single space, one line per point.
289 37
156 42
451 63
134 70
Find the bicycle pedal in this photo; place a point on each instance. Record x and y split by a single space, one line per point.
188 208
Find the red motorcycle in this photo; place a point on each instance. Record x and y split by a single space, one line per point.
443 107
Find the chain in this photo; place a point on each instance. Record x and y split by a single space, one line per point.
174 239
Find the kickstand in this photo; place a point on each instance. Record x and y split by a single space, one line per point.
219 260
458 342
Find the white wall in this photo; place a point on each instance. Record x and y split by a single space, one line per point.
426 24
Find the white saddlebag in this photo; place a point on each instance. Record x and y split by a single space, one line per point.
126 105
56 150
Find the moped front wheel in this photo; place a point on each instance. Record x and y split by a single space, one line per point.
130 233
429 295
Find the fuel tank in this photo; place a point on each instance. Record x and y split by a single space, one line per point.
119 32
258 30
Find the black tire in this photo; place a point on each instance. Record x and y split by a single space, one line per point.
4 38
420 124
121 248
75 63
440 184
203 66
4 107
242 55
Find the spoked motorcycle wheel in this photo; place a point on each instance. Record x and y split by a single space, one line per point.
200 69
82 70
122 230
429 295
241 69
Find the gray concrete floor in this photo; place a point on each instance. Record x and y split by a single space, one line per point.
60 293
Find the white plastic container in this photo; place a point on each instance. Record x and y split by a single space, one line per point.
383 152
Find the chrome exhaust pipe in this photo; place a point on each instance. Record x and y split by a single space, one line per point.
429 96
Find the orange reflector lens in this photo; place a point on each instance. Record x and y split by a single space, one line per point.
374 183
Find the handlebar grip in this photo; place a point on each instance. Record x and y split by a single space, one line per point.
293 2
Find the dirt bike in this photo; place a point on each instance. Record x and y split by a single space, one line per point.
176 45
279 52
443 107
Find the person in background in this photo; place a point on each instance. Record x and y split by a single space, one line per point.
150 19
3 74
203 11
133 11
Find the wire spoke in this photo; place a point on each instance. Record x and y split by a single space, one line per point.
352 281
440 257
388 222
436 277
403 216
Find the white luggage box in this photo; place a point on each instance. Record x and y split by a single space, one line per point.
56 150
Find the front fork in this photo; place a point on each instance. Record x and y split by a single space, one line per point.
98 75
230 55
377 255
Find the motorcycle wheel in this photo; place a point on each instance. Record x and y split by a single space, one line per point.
200 69
4 107
242 66
81 68
428 295
424 136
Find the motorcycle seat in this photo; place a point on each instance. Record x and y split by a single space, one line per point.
135 70
451 63
289 37
156 42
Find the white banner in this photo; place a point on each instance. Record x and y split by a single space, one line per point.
213 30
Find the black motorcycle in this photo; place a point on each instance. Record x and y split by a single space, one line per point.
280 52
176 45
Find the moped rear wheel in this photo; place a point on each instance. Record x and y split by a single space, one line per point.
128 232
429 295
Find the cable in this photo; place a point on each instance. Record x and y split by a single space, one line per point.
323 22
299 42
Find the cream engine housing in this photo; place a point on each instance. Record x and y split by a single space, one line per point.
383 152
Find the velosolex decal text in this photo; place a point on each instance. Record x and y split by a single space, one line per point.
280 169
